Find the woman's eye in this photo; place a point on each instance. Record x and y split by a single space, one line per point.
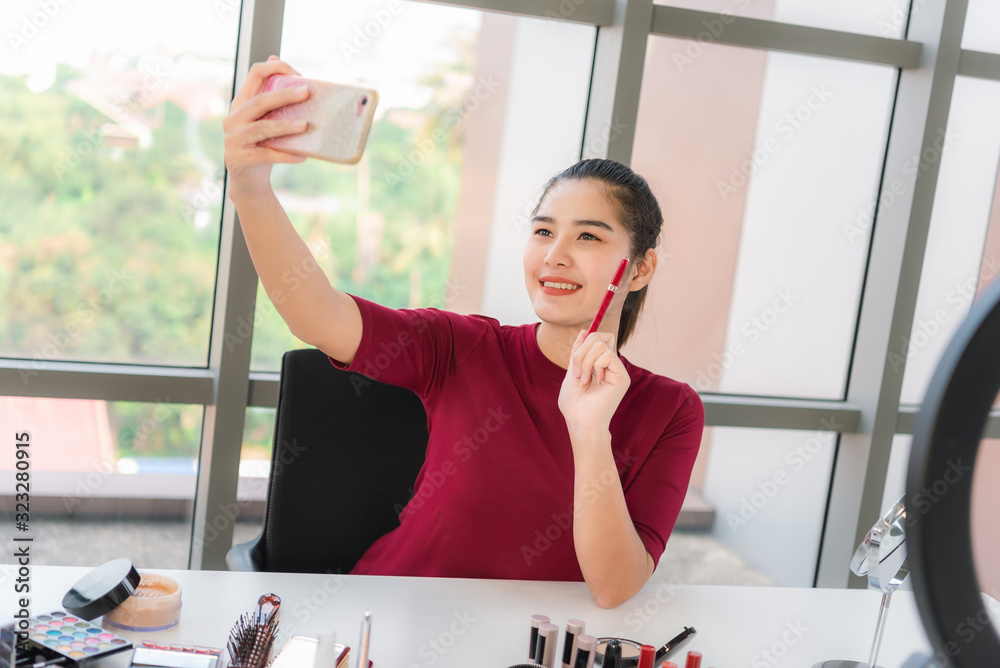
588 236
542 231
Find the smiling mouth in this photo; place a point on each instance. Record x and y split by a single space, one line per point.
560 286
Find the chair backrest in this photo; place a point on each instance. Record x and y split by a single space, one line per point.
346 453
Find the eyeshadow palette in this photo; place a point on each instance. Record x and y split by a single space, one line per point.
73 637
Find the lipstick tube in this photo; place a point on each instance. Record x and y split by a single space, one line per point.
574 627
536 621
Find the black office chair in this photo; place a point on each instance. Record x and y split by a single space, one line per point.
346 453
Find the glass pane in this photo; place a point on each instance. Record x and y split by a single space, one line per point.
885 18
895 476
982 26
769 489
107 479
112 181
963 245
464 97
766 166
255 467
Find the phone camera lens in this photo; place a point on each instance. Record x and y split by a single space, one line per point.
364 101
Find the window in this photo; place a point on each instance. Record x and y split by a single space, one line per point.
466 100
769 487
107 479
963 246
982 27
767 166
109 230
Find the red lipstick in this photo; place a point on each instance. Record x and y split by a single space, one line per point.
608 296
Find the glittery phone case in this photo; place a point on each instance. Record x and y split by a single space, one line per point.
339 118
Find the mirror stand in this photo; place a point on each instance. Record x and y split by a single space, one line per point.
882 557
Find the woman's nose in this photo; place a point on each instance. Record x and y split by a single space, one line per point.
558 253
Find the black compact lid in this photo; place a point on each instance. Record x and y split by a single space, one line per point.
102 589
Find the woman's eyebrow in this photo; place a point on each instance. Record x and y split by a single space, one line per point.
578 223
593 223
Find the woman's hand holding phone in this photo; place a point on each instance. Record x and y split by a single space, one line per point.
249 164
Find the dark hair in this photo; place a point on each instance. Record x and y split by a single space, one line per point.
637 210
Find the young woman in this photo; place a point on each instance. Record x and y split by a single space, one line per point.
551 457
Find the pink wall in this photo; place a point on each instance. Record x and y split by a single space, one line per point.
694 119
985 521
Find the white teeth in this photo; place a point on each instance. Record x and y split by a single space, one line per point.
561 286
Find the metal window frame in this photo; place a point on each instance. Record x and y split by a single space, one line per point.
215 505
586 12
979 64
889 296
776 36
929 59
908 416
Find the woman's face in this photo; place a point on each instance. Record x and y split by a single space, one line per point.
575 246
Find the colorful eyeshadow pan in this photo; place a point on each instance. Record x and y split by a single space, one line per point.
71 637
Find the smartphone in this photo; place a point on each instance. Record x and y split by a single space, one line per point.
339 117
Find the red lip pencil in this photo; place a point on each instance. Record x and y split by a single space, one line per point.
608 296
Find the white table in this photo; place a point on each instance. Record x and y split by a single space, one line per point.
458 623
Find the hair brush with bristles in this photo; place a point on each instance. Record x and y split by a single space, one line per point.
253 634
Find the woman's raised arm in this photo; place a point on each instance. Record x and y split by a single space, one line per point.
315 311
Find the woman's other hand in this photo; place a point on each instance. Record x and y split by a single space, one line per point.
249 165
595 383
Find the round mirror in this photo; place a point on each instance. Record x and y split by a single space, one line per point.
943 465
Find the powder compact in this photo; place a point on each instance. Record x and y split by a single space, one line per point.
155 605
127 600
